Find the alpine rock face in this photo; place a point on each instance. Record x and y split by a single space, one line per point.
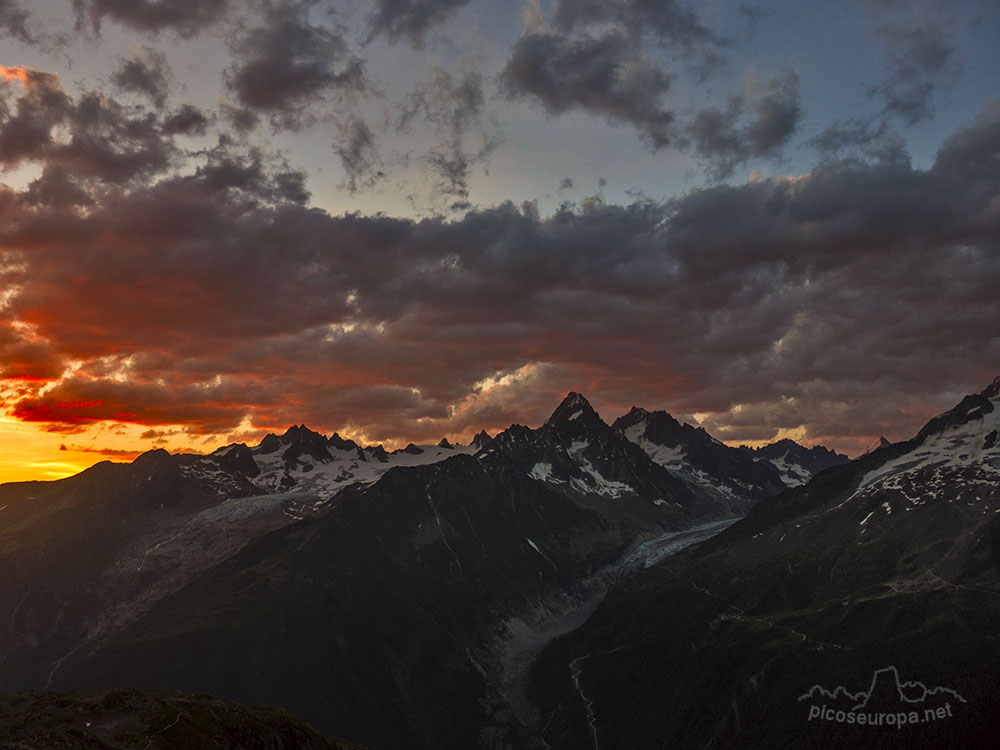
698 459
885 565
797 464
390 598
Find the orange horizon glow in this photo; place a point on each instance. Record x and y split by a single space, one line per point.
29 452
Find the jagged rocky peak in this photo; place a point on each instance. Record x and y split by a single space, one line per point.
779 447
342 444
657 426
237 459
877 445
444 443
482 439
301 441
636 415
797 463
412 449
574 411
379 452
970 408
270 444
993 390
300 432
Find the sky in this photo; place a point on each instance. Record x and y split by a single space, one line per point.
403 220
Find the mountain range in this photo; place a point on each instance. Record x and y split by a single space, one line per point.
579 584
884 565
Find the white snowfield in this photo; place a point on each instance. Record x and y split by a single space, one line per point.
955 463
543 473
323 479
674 459
792 474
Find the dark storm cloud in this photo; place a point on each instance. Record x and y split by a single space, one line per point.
77 402
26 123
411 19
833 302
146 72
22 357
58 187
756 123
922 58
14 22
604 75
186 17
242 120
467 134
285 65
92 137
186 120
972 154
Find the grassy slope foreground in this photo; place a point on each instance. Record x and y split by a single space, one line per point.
153 719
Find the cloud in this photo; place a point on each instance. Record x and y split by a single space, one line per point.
670 27
604 75
25 357
756 123
186 120
285 65
242 120
78 402
669 20
411 19
846 134
922 58
91 138
972 155
186 17
26 127
355 145
146 72
466 133
14 22
112 453
211 293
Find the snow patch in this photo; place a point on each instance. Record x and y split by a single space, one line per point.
635 432
543 473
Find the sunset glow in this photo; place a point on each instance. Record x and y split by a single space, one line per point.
14 74
221 220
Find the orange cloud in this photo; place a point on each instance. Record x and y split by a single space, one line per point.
18 73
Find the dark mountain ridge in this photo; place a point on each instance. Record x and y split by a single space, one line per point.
379 595
890 560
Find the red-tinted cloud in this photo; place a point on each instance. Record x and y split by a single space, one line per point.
851 302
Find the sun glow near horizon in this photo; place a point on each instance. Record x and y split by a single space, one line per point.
30 453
